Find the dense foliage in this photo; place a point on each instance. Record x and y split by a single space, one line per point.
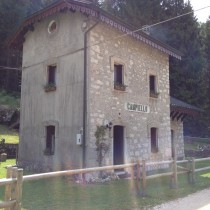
12 14
189 78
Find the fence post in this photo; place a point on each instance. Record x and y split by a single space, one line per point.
144 178
138 176
8 186
189 172
193 170
174 179
16 155
19 189
132 177
14 186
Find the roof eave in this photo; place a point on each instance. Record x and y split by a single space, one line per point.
87 8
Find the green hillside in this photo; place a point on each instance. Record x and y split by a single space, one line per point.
10 136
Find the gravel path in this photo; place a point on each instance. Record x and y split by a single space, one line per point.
196 201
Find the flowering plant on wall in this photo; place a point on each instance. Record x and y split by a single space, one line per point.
119 86
50 87
154 94
101 146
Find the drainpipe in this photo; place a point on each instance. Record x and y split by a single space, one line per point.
85 96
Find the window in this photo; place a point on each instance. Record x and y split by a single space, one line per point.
51 74
153 86
50 140
154 140
52 27
119 77
152 83
118 74
51 78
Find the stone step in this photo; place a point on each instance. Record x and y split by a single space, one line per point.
122 174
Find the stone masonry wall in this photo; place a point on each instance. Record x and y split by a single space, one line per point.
177 127
108 105
61 108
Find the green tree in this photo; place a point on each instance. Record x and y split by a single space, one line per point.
206 36
135 12
186 76
36 5
12 14
207 55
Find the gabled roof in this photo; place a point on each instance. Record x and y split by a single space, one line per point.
180 104
180 109
88 8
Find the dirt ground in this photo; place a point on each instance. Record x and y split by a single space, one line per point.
196 201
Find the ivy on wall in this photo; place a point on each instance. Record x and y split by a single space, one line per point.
101 146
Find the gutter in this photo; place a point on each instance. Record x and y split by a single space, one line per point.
85 96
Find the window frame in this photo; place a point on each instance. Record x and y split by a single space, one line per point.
51 78
154 140
50 143
153 92
52 27
152 83
153 87
43 125
118 85
52 74
118 73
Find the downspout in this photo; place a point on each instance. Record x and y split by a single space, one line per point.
85 95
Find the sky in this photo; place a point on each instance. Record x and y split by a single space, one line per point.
202 15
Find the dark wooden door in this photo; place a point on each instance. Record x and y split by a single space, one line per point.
118 145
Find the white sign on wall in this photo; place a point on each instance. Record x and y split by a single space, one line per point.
137 107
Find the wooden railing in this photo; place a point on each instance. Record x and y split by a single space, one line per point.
14 180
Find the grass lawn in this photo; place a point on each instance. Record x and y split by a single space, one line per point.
195 143
11 136
61 194
3 167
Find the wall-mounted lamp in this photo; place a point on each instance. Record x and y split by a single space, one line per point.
109 125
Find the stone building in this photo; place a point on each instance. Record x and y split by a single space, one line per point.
84 68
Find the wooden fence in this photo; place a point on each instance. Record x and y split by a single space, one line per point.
138 177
